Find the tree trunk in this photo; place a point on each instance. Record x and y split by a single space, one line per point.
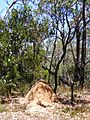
57 67
55 77
83 54
77 61
72 91
34 55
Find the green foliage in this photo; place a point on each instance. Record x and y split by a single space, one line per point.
27 34
1 108
67 69
21 60
22 88
66 110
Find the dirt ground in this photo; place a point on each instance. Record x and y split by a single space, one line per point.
19 109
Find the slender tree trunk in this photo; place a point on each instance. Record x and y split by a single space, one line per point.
55 77
54 46
77 61
72 91
83 54
52 58
34 55
57 68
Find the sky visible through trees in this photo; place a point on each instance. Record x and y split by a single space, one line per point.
44 39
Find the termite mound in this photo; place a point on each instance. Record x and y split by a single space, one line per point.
41 93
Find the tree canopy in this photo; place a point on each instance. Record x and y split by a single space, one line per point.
45 39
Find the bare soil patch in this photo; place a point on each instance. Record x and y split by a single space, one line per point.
41 103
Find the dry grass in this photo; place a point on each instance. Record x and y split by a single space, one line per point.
62 110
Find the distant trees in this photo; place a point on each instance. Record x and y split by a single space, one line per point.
66 21
45 39
81 43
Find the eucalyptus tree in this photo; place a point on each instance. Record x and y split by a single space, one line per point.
80 56
83 54
60 14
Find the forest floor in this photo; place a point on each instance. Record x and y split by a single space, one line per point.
62 110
